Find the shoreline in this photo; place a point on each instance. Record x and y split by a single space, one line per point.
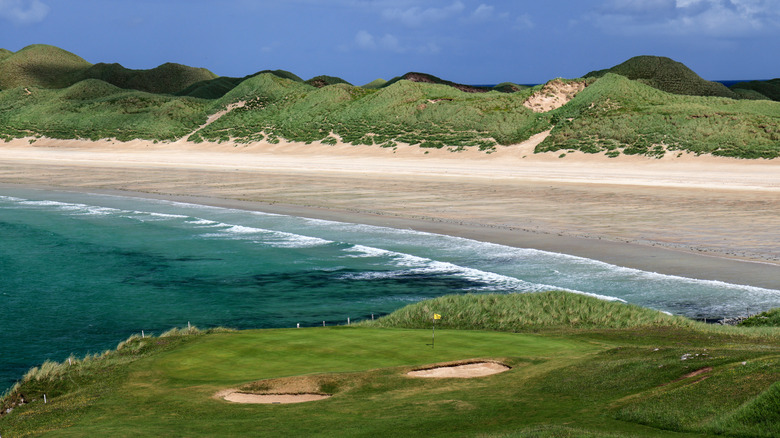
659 260
706 218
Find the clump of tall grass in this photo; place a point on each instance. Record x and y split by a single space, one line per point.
770 318
528 311
54 377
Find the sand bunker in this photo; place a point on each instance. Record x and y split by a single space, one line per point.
464 371
270 399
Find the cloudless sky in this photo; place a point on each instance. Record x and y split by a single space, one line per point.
467 41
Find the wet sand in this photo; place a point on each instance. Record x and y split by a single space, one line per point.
699 217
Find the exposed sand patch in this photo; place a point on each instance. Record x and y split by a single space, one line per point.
554 94
269 399
465 371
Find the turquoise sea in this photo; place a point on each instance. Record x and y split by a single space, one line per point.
81 272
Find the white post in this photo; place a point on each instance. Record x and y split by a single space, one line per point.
44 398
142 334
298 325
372 317
323 323
69 362
188 325
347 320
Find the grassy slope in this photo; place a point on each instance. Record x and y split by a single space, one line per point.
40 66
43 66
218 87
613 115
770 318
94 109
375 84
569 382
770 88
617 115
426 114
168 78
324 81
666 75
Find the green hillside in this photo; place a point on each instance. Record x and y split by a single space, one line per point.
218 87
509 87
93 109
615 115
168 78
666 75
4 53
770 88
431 79
376 83
210 89
45 66
644 374
323 81
428 115
40 66
70 98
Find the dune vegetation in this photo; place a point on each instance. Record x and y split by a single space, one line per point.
603 369
646 106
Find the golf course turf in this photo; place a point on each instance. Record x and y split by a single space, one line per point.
641 381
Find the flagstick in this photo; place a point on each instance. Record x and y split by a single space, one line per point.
433 334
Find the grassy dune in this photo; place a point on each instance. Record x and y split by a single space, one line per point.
666 108
43 66
656 376
619 116
666 75
766 89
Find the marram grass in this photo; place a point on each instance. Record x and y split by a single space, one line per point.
528 311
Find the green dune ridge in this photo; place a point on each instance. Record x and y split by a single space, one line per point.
647 106
580 366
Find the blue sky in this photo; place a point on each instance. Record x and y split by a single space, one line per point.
480 41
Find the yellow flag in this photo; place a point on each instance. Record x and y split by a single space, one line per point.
436 316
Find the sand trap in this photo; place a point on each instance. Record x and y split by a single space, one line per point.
465 371
270 399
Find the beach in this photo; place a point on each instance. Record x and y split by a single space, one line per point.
699 217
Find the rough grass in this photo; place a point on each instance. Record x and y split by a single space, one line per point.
770 318
612 116
167 78
43 66
527 312
769 89
619 116
40 65
666 75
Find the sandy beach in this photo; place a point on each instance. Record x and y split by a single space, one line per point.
700 217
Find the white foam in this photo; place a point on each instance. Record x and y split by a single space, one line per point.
361 251
199 221
271 238
11 198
